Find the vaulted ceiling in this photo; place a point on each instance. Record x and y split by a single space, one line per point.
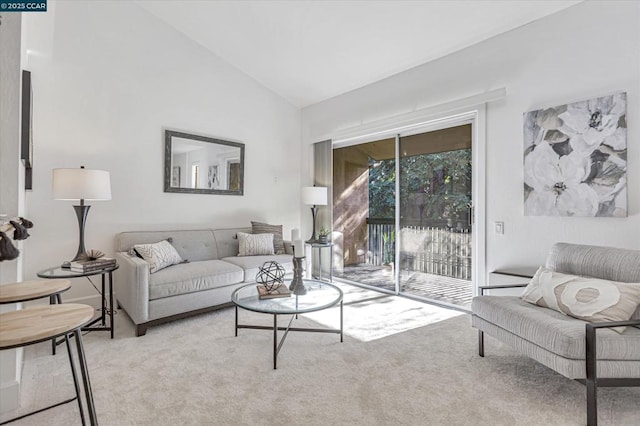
309 51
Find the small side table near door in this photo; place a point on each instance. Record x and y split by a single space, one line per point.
319 246
106 273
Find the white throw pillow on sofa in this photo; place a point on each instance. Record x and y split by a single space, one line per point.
586 298
159 255
255 244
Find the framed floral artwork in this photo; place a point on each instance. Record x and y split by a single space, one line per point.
575 159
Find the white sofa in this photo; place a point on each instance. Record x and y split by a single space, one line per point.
202 284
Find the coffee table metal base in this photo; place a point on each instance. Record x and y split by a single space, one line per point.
277 345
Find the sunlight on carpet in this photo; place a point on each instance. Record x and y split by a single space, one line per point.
369 315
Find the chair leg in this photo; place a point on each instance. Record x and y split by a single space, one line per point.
592 379
481 343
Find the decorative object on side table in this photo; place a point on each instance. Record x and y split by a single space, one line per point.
297 284
323 235
314 196
80 184
270 279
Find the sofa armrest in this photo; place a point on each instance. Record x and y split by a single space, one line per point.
132 286
482 288
612 324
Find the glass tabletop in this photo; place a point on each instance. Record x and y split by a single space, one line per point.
60 272
320 295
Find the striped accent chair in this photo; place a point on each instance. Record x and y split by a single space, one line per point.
589 352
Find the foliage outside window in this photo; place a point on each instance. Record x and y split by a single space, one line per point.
434 189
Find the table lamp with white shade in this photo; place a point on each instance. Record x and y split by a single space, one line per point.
314 196
81 184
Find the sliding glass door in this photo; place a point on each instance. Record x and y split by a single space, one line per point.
402 214
434 216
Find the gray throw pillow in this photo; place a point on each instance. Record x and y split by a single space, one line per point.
276 230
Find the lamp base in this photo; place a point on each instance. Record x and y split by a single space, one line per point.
313 238
81 213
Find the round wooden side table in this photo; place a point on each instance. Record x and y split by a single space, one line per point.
34 325
32 290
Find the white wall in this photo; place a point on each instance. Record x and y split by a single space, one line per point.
589 50
11 187
108 78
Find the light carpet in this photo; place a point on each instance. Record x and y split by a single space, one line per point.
371 315
195 372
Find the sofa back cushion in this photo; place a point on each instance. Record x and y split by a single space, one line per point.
192 245
607 263
227 241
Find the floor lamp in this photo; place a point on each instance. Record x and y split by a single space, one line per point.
314 196
81 184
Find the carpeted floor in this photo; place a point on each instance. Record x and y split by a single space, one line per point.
195 372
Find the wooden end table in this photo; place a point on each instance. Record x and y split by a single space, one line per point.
34 325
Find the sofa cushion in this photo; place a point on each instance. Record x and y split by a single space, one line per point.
192 245
554 331
194 276
251 264
590 299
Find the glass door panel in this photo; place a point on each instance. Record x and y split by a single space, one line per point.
434 256
364 205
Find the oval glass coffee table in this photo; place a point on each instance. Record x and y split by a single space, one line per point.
319 296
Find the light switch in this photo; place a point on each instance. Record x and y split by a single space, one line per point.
499 226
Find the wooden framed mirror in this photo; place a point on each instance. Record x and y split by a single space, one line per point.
195 164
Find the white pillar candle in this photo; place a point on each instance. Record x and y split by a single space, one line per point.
298 248
295 234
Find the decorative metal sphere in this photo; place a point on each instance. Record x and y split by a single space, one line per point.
270 274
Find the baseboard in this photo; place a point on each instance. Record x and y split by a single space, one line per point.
9 396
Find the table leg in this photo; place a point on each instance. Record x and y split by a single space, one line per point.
275 341
331 266
103 317
75 378
52 301
320 264
341 322
111 323
85 377
236 320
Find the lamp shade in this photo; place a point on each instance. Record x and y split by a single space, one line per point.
81 184
314 195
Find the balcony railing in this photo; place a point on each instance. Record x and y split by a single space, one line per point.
430 249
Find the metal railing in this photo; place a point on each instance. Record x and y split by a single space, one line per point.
434 250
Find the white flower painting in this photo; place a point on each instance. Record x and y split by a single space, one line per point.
575 159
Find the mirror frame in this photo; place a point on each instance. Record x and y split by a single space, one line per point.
169 134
